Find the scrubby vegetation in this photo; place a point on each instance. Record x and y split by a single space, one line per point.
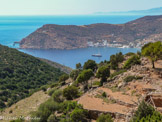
116 59
62 105
21 75
146 113
130 78
153 51
132 61
105 118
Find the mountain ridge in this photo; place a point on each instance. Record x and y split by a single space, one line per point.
52 36
153 11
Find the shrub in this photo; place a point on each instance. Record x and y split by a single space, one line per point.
130 54
117 73
153 51
2 105
96 83
132 61
78 66
44 88
58 96
63 77
104 118
74 74
68 106
78 115
130 78
156 117
143 111
51 91
115 59
52 118
90 64
45 110
104 94
71 92
103 72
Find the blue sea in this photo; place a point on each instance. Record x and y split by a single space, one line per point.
14 28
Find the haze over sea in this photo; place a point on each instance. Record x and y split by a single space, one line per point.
14 28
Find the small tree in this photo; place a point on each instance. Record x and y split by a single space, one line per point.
143 110
104 118
74 74
63 77
103 72
85 76
71 92
78 66
153 51
58 96
78 115
90 64
132 61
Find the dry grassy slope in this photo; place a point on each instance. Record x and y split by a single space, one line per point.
25 106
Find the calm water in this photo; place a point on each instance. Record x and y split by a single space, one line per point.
71 57
15 28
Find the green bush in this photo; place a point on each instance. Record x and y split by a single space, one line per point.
74 74
52 118
97 83
63 77
156 117
103 73
104 94
130 54
51 91
117 73
45 110
2 104
90 64
71 92
132 61
78 115
130 78
144 110
115 59
68 106
58 96
105 118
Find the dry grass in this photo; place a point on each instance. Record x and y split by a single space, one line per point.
25 106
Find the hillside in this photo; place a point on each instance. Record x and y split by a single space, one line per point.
59 66
21 75
127 87
50 36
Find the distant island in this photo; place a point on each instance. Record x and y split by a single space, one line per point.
132 34
153 11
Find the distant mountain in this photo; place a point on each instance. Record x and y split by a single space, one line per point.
154 11
71 36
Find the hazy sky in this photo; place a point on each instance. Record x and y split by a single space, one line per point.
62 7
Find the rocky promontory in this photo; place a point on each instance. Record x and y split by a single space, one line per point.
51 36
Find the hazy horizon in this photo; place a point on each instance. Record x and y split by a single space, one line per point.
72 7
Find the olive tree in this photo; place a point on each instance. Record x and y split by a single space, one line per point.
103 72
153 51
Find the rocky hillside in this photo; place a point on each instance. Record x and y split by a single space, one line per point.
50 36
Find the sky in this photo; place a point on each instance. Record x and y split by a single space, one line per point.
72 7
